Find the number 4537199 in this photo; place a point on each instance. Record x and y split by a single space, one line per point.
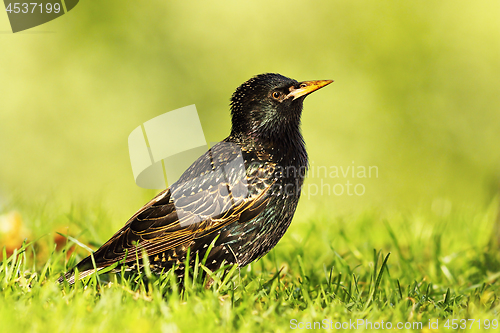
469 323
33 7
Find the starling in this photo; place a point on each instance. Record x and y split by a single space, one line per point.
237 199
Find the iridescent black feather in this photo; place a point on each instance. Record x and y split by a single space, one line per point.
242 192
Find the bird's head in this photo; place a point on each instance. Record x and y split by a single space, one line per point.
270 105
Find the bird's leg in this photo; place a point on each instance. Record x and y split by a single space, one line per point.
237 261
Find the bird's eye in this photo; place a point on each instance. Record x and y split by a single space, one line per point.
303 85
276 95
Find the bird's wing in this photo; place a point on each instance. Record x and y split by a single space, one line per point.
215 191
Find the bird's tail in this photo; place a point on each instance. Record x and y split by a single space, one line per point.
85 268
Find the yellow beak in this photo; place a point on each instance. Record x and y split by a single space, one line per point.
307 87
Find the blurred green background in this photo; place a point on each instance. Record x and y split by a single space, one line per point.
416 94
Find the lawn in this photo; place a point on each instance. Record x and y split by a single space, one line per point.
421 270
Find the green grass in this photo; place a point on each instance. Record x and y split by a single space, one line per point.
412 267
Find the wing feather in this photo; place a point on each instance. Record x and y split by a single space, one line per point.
213 193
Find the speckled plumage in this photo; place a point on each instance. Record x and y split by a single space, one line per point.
243 192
